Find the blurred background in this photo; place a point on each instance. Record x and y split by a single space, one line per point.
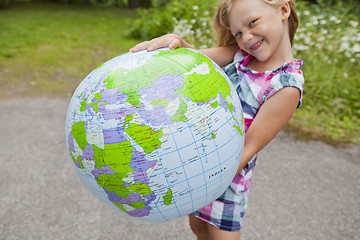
302 189
47 47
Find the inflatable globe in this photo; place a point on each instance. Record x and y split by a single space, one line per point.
156 135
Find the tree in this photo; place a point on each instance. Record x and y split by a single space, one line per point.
139 3
4 3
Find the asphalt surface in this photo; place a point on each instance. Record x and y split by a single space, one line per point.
300 190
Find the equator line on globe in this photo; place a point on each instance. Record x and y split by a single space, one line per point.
156 135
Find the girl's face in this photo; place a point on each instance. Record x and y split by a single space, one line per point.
260 30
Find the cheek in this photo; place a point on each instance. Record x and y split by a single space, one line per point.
272 32
239 43
264 30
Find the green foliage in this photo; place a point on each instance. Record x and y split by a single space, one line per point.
103 3
109 3
4 3
197 28
126 3
190 18
336 4
328 40
159 3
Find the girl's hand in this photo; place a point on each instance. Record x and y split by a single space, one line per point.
169 40
221 55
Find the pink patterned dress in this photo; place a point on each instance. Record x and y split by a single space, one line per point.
253 89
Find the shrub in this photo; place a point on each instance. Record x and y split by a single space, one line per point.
4 3
108 3
328 39
190 19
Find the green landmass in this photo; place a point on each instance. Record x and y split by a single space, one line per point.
95 106
215 104
114 183
118 156
136 79
213 135
239 129
83 105
128 118
160 102
97 96
78 159
168 197
230 106
198 87
137 205
99 66
98 156
145 136
180 113
79 133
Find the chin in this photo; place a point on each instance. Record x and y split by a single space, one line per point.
261 58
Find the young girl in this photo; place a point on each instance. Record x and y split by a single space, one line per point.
269 83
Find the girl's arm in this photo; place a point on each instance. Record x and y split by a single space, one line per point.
270 119
221 55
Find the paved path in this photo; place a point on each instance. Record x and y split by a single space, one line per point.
301 190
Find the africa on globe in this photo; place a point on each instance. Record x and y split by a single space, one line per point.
156 135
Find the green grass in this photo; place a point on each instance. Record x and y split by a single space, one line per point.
328 40
47 49
331 103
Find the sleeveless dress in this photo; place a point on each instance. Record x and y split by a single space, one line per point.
253 89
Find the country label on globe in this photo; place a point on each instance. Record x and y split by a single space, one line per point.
156 135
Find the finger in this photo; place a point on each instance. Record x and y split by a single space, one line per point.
169 40
175 44
158 43
141 46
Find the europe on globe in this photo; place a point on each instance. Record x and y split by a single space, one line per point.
156 135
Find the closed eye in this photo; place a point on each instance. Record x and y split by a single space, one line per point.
238 34
252 23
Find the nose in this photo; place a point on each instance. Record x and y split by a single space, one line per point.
244 38
247 36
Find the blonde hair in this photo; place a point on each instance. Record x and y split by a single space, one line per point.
222 25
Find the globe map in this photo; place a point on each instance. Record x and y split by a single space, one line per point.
156 135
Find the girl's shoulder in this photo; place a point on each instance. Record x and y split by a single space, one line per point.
241 60
289 71
239 56
265 84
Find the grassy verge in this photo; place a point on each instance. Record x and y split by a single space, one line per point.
328 39
47 49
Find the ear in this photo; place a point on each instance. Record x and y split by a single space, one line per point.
285 11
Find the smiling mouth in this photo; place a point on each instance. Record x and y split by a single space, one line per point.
256 46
